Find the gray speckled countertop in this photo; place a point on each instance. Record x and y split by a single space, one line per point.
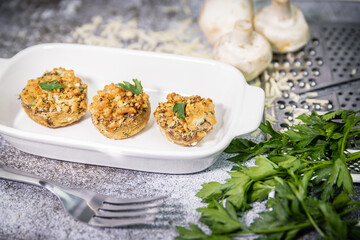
29 212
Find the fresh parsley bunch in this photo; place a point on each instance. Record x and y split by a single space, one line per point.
305 167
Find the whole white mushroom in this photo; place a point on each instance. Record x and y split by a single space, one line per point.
245 49
217 17
284 25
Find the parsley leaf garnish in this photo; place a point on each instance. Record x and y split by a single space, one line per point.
49 86
179 109
135 89
309 194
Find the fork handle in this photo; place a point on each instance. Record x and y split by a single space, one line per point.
20 176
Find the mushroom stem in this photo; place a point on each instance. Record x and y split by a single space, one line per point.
281 9
242 32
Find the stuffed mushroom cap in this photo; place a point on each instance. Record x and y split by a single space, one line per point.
119 113
56 99
185 120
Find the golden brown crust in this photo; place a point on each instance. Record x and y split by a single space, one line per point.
57 107
199 119
118 113
129 127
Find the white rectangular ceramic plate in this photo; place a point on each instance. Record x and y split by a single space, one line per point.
238 106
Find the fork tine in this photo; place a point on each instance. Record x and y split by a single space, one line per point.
115 222
112 200
112 214
134 207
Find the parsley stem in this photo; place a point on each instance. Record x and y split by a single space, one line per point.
320 165
354 132
312 220
344 140
347 211
316 162
281 229
353 156
301 200
298 226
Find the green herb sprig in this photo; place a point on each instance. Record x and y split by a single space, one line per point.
179 109
49 86
135 89
306 169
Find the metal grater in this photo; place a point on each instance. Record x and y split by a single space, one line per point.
331 57
329 65
323 76
344 96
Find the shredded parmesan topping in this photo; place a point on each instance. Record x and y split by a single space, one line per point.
70 99
114 104
197 111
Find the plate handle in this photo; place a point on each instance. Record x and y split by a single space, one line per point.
253 110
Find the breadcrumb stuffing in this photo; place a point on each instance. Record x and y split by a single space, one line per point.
69 99
112 105
198 111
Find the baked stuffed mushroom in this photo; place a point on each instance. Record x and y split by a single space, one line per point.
185 120
56 99
120 110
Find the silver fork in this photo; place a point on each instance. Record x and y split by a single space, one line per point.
89 207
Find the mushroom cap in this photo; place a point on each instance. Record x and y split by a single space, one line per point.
217 17
250 58
285 35
131 125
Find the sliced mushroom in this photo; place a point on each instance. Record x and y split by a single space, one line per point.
245 49
217 17
284 25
